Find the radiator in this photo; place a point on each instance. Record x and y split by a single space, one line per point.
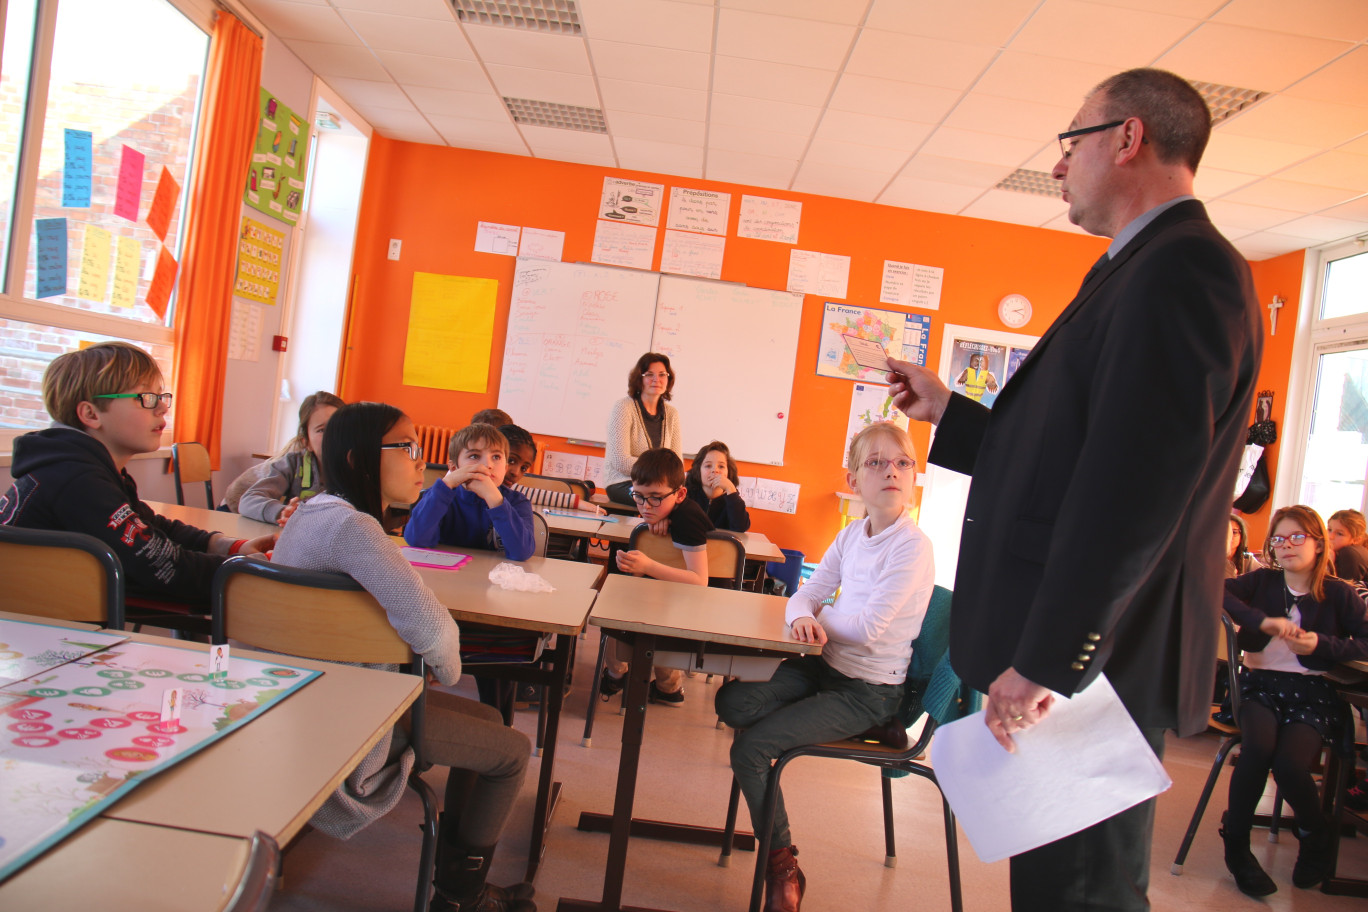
434 441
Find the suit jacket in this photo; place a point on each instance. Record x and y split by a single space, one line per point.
1103 477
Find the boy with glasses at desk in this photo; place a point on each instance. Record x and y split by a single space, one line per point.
659 493
107 406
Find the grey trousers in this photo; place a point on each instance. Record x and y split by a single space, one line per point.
805 702
469 736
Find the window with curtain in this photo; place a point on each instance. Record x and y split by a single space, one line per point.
101 101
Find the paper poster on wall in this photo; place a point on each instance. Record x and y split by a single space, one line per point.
95 254
163 204
768 219
275 183
631 202
491 237
975 368
127 263
1015 355
260 249
244 332
825 274
870 403
541 243
76 159
593 470
616 244
704 211
685 253
450 332
563 465
128 191
902 336
911 285
163 280
51 256
769 494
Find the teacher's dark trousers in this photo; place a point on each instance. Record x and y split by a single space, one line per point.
1104 868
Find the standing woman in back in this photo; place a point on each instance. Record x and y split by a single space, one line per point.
643 421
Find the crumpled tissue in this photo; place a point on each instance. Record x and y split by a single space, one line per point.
508 575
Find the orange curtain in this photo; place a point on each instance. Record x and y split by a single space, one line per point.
223 153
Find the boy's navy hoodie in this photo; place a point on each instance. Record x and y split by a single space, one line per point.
65 480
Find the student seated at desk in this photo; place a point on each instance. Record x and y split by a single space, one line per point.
711 484
522 454
882 566
108 406
373 461
467 507
658 490
270 492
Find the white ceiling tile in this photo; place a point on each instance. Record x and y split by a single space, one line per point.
662 157
1011 116
1322 230
748 168
775 81
1197 9
1313 123
840 181
1107 35
780 39
1249 58
889 132
1357 147
544 85
735 111
933 168
834 152
420 9
1286 194
821 10
1019 208
970 21
757 141
1046 158
1332 169
435 72
948 142
1252 218
400 125
570 145
641 98
1341 81
1264 245
488 135
365 93
1252 156
520 48
287 19
890 98
1048 80
338 60
660 129
1338 19
928 196
653 23
1354 210
662 66
1213 182
385 32
470 105
927 61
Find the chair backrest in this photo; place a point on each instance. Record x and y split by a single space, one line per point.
190 462
65 575
726 555
256 887
551 483
1228 651
930 662
432 473
540 534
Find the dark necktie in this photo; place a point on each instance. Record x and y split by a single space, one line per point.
1096 268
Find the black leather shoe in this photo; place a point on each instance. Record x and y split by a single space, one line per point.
1313 858
1249 875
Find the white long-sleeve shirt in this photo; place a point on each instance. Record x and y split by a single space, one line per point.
885 582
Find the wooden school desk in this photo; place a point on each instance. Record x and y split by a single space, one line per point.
757 544
655 614
580 525
214 520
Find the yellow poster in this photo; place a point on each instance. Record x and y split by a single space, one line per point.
95 265
127 259
259 255
451 330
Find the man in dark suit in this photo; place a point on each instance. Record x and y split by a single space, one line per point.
1103 475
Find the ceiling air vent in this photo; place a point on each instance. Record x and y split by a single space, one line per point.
535 113
1023 181
555 17
1227 101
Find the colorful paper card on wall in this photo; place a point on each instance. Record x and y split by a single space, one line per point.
128 192
900 334
275 184
259 254
52 256
451 332
76 169
127 260
95 253
163 204
163 280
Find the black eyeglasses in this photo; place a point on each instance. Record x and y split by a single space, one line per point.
654 500
415 451
1067 151
1296 538
146 400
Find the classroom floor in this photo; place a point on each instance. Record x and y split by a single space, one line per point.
835 811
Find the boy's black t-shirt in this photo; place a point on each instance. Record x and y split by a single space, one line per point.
689 526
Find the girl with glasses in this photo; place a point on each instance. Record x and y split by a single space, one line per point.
642 421
1296 622
372 462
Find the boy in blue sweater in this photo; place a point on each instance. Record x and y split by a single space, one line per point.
468 507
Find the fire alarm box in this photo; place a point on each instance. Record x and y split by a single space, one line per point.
280 343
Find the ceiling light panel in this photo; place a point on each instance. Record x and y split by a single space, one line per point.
1035 182
554 17
533 113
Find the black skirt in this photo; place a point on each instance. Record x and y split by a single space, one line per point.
1306 698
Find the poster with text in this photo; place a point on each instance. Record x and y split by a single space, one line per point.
631 202
902 336
275 184
977 369
260 250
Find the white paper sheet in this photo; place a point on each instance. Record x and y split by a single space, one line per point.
633 202
911 285
769 494
698 210
768 219
563 465
593 470
825 274
542 243
244 331
1085 762
491 237
692 254
617 244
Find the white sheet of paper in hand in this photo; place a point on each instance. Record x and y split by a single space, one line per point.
1085 762
866 352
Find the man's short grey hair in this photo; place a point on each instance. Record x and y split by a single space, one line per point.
1176 118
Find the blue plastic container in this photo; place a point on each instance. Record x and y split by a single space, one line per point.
790 570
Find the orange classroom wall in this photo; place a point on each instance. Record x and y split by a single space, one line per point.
431 198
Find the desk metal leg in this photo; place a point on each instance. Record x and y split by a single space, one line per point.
1337 777
548 790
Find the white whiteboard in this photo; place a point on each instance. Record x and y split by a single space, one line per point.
574 332
733 350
